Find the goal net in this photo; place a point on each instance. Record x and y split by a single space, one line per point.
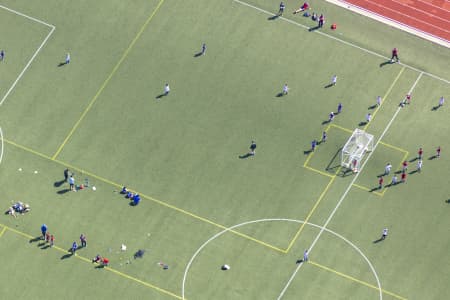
354 149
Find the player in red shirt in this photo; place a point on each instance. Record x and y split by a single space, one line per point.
404 177
420 153
105 262
438 152
47 237
52 240
304 7
380 182
405 166
395 55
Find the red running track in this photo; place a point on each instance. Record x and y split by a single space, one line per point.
429 16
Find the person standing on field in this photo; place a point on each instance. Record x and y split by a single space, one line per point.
395 55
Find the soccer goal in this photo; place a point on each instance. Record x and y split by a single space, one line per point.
354 149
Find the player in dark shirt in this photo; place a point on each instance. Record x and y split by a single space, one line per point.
395 55
282 7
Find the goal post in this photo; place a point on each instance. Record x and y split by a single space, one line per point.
354 149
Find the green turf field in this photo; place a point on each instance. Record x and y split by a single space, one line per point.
202 205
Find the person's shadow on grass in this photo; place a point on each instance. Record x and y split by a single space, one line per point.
388 62
246 155
311 29
362 123
328 85
272 18
38 238
372 106
62 64
61 192
59 183
67 255
378 240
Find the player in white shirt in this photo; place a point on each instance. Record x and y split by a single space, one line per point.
67 58
166 89
285 89
384 234
441 101
387 169
305 256
419 165
334 80
379 101
368 117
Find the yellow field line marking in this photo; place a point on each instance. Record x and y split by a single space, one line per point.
385 97
28 149
318 171
90 261
3 231
312 153
185 212
105 83
367 189
354 279
297 234
308 159
342 128
393 147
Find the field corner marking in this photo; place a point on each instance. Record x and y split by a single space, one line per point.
105 83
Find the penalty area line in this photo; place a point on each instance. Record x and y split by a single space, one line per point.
345 195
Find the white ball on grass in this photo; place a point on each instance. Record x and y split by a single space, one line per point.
94 188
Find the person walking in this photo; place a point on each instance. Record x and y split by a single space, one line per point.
305 256
66 174
384 234
83 241
380 182
43 230
74 248
387 169
252 148
72 183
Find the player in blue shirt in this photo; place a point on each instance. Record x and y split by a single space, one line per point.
43 230
339 109
74 248
313 145
2 55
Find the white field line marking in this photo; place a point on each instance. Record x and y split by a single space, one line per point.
27 65
1 145
346 192
26 16
343 41
274 220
